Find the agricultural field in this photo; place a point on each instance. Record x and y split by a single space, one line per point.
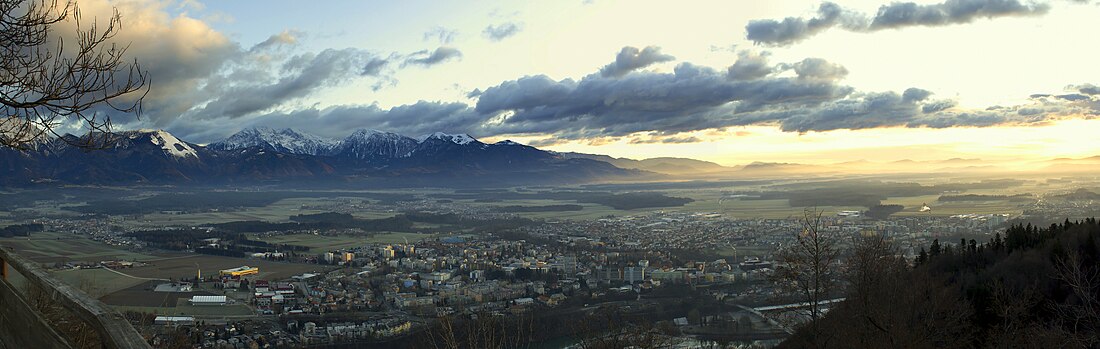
279 211
188 266
52 247
142 295
98 282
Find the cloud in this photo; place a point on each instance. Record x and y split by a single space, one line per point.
502 31
438 56
421 117
794 29
666 140
652 107
749 66
696 98
1088 89
254 91
936 106
631 58
178 52
894 15
198 74
205 85
691 98
904 14
284 38
442 35
914 94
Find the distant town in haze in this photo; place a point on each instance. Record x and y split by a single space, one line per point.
576 174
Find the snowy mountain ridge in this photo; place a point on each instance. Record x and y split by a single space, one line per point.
283 141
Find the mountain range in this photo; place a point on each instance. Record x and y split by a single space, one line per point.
258 155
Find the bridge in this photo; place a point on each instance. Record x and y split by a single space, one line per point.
24 325
796 305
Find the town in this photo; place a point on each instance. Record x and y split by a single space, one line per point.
710 270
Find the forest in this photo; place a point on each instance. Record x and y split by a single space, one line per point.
20 230
1033 287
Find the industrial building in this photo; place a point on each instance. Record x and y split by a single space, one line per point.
239 271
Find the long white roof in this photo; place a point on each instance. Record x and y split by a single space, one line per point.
207 299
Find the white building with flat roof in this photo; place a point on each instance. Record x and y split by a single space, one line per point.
174 320
208 300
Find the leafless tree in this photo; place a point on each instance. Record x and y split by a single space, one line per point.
888 307
606 329
484 330
46 82
64 321
1081 318
808 267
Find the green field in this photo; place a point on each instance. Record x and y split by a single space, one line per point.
280 211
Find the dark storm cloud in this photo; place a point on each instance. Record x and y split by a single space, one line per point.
894 15
437 56
631 58
502 31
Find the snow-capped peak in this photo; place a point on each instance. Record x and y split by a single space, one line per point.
461 139
171 145
283 140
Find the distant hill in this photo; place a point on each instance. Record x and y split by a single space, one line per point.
666 165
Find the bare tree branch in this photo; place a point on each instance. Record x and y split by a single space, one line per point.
46 82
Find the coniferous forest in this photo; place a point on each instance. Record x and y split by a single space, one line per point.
1032 287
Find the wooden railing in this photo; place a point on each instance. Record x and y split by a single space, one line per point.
21 326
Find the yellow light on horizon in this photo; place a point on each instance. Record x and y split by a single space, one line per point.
734 146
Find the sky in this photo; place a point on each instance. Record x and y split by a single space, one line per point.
726 81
